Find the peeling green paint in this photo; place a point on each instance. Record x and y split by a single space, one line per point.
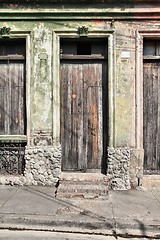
42 75
125 85
42 78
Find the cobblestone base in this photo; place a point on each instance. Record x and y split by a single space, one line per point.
12 180
118 168
42 167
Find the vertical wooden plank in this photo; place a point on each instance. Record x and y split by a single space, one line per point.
77 121
154 116
65 115
81 114
72 116
151 117
105 116
158 120
93 91
3 96
148 86
17 114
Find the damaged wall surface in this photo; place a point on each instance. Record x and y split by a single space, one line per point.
43 25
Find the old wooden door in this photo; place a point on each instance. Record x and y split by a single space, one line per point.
12 106
152 117
82 97
151 106
12 88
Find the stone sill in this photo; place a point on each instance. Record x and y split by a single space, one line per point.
77 176
13 138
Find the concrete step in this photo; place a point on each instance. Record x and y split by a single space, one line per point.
82 185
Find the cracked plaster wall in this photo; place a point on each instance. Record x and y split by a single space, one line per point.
124 160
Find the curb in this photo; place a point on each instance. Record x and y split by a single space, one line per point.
117 227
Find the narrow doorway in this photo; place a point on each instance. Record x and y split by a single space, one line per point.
84 105
151 106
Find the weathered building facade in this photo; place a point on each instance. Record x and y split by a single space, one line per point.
79 90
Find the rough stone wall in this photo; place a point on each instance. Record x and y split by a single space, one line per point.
136 167
12 180
43 165
118 168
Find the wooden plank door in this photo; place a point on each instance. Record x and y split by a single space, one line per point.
12 87
151 94
81 113
12 96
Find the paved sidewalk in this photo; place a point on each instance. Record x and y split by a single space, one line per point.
134 212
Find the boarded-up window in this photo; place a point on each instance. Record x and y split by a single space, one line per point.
12 87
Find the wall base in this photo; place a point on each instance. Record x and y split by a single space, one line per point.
150 181
118 168
136 167
42 167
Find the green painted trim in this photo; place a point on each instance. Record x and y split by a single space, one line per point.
13 138
71 14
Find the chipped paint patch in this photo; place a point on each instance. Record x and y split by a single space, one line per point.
42 80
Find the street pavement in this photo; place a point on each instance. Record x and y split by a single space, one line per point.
42 235
134 213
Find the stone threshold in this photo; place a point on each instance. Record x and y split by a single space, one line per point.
150 181
78 176
82 185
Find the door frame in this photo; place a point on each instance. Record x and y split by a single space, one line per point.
27 36
109 35
140 35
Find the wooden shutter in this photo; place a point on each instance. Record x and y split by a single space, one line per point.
12 88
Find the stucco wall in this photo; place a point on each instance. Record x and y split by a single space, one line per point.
42 83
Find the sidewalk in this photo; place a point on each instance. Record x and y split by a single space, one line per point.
134 212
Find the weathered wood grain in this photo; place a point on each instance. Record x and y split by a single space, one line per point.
151 94
12 88
12 95
81 113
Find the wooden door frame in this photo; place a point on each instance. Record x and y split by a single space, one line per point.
27 36
140 35
73 34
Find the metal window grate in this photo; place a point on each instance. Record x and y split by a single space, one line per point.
12 158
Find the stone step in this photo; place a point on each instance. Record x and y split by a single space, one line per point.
82 185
